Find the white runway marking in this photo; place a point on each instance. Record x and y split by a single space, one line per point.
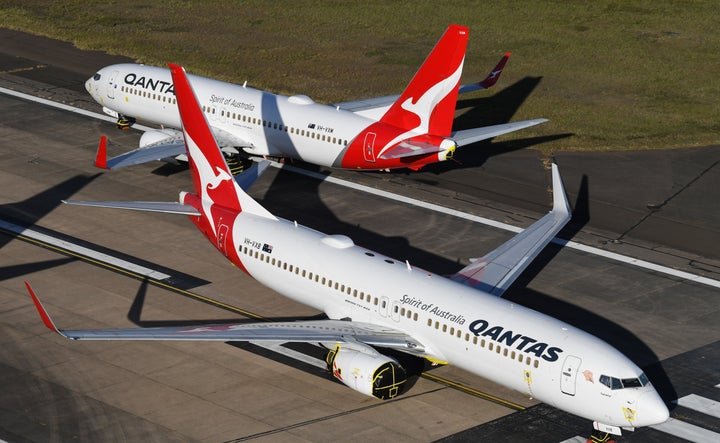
687 431
95 255
700 404
411 201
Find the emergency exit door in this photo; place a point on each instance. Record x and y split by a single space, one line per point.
568 378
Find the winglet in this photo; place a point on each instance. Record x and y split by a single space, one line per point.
560 202
43 313
494 75
101 156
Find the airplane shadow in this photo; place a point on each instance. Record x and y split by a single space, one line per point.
135 315
487 111
28 212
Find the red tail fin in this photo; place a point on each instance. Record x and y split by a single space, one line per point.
211 176
428 103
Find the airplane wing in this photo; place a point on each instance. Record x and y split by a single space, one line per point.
313 331
468 136
495 272
376 107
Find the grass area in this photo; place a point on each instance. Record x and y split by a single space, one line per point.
616 74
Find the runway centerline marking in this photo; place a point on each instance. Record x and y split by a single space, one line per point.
415 202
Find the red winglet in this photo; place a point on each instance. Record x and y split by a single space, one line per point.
494 75
101 157
41 310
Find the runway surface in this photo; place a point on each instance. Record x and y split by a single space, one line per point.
656 206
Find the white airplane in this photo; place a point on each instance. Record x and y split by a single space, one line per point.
402 131
374 302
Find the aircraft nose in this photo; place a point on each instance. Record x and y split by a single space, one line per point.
89 85
651 410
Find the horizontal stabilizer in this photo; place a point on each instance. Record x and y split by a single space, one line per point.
166 207
170 147
314 331
495 272
469 136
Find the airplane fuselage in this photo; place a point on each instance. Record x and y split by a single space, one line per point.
507 343
262 123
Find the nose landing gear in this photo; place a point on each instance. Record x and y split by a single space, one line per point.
600 437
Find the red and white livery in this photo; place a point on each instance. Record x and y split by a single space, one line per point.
406 131
375 303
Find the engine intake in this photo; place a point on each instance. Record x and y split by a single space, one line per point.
367 371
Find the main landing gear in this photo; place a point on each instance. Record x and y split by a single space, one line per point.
124 123
237 162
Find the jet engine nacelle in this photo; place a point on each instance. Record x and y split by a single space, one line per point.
367 371
157 136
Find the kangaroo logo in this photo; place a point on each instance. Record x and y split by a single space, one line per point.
209 181
425 105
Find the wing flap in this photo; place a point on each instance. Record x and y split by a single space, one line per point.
495 272
474 135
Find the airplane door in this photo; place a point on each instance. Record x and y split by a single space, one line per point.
369 147
395 310
222 237
568 377
111 84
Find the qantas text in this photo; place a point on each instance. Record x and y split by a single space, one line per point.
518 341
149 83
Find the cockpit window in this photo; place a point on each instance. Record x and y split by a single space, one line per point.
616 383
631 383
97 76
